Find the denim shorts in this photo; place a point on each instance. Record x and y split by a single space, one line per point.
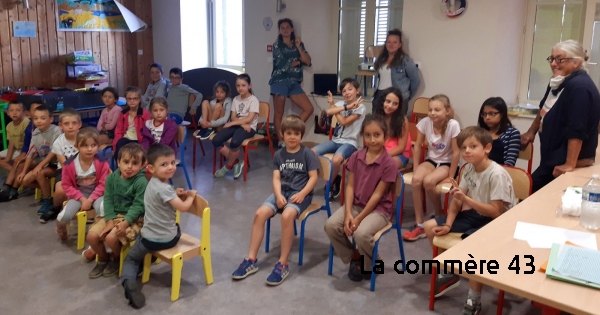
342 149
286 88
271 202
403 159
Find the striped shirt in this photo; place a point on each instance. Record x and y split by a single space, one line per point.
511 144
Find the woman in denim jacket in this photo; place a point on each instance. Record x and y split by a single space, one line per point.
395 68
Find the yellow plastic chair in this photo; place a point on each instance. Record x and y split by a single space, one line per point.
38 192
188 247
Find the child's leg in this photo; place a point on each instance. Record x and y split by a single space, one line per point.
12 175
206 112
334 228
65 216
428 226
131 265
59 195
97 244
363 236
287 232
421 172
217 112
236 142
222 136
258 229
112 241
430 182
43 181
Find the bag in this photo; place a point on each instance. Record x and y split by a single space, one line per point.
322 123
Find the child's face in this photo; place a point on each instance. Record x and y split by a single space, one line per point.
42 120
175 79
220 94
472 151
491 116
155 74
242 86
108 99
130 165
15 112
70 125
374 136
437 111
133 100
292 138
391 103
88 149
164 167
32 109
159 113
350 92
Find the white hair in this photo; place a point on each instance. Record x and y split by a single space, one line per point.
574 49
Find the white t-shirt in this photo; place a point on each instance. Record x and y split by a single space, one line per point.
349 134
62 146
131 133
493 183
243 107
86 180
154 130
385 77
440 149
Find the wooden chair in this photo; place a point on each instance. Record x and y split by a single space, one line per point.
187 248
181 136
420 109
522 186
325 170
397 219
527 154
408 171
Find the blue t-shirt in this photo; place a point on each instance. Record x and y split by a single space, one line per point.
27 139
294 167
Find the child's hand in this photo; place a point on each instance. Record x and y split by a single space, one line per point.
355 223
180 192
122 228
281 201
295 63
192 112
205 124
191 193
440 230
247 127
298 41
348 225
329 98
86 203
36 170
297 198
458 194
110 225
227 125
20 177
355 104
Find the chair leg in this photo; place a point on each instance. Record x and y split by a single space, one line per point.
246 163
207 263
295 229
202 148
401 247
194 153
343 188
433 280
268 236
330 264
81 222
500 302
146 272
123 254
301 251
177 264
424 201
373 277
214 160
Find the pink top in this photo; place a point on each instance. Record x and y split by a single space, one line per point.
391 143
109 119
69 179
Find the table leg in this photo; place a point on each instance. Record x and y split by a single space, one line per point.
546 310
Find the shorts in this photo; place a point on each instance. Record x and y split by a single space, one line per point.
5 152
271 202
110 134
403 159
344 149
132 231
466 222
58 175
286 88
436 165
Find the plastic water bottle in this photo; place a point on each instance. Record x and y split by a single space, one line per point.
60 105
590 204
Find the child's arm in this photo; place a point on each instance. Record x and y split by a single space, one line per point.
453 210
119 131
69 182
241 121
44 162
196 102
349 120
381 189
417 150
113 117
455 158
279 198
313 176
182 205
514 146
348 218
223 120
10 151
399 149
304 56
26 167
137 207
101 175
109 206
147 138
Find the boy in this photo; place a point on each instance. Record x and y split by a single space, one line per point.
294 179
15 133
160 230
179 95
350 114
123 206
484 193
69 122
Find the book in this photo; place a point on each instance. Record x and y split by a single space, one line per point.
574 266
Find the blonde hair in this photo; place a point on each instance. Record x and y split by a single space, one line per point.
68 112
446 102
87 133
574 49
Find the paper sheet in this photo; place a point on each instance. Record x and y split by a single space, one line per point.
133 22
542 236
579 263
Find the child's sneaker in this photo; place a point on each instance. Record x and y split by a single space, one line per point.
88 254
222 171
246 268
354 271
205 133
112 268
49 215
445 284
279 273
7 196
414 233
133 293
98 269
47 205
472 308
237 169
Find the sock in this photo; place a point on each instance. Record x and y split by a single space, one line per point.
253 260
229 166
474 296
420 225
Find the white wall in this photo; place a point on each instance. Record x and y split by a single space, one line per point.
166 32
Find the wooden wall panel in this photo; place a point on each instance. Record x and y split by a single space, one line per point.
40 61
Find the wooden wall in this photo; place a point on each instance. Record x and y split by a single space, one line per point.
40 61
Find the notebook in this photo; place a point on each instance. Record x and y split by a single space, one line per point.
573 264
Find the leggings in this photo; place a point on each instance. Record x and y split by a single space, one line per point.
237 134
73 206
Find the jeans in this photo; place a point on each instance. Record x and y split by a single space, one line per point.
237 134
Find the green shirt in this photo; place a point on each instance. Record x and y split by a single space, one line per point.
283 56
125 196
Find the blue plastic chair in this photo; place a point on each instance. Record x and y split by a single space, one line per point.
399 194
325 170
178 119
181 136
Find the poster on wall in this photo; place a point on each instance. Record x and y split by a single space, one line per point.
96 15
24 29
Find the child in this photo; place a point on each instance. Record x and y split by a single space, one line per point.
398 143
160 129
179 95
294 178
131 121
216 113
439 130
493 116
244 119
159 86
28 131
15 133
350 114
484 193
123 206
368 208
109 116
64 148
84 175
160 230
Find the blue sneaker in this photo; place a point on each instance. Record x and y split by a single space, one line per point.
46 205
246 268
279 273
205 133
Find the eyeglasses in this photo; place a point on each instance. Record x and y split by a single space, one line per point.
491 114
557 59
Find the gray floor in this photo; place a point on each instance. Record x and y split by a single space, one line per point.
42 275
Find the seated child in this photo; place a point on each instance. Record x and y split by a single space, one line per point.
84 176
109 116
28 131
131 121
398 143
159 86
15 134
368 208
493 116
350 114
179 95
216 113
294 178
160 129
123 207
484 193
160 230
64 148
244 120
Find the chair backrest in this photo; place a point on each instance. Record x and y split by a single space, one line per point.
527 154
420 108
522 182
325 167
334 122
413 131
198 207
398 195
264 111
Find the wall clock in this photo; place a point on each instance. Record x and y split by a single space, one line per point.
454 8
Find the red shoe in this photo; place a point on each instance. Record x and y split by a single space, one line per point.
416 232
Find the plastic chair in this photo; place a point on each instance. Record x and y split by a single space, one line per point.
38 192
527 154
399 196
181 136
420 109
188 247
325 169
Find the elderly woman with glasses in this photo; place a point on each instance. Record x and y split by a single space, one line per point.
568 118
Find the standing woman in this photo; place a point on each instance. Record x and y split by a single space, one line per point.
568 118
395 68
289 56
157 87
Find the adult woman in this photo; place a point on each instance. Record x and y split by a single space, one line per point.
568 118
289 56
157 87
395 68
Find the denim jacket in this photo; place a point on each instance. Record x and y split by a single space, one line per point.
405 77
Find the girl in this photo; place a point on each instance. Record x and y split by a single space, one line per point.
109 116
83 179
439 130
395 68
371 175
160 129
398 142
132 119
157 87
493 116
244 118
216 113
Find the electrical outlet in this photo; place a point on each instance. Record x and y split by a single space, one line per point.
418 64
140 52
